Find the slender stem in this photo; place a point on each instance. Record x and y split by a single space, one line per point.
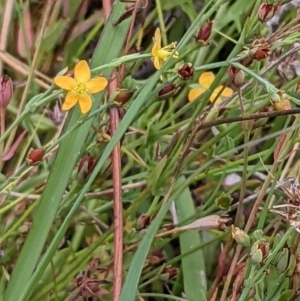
161 22
247 128
117 182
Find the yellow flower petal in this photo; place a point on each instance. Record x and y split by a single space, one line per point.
70 101
227 92
82 72
194 93
215 93
206 79
156 62
154 50
157 43
96 85
157 37
65 82
85 103
213 97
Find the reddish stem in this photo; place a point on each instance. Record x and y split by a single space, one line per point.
117 185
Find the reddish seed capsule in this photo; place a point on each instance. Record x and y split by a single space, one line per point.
267 11
261 52
186 71
143 221
6 91
167 91
204 33
35 155
237 76
123 96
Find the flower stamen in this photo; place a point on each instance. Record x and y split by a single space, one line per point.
80 88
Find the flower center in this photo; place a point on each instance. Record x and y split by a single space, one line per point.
165 52
80 88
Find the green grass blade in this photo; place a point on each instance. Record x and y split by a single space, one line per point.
193 267
135 270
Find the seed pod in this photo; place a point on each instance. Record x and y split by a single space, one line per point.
143 221
237 76
123 96
185 71
168 91
267 11
280 101
259 251
240 236
261 52
204 33
6 91
35 155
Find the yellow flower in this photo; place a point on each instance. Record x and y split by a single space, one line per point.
205 80
80 87
161 54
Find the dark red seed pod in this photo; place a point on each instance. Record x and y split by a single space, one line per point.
204 33
35 155
186 71
168 91
267 11
123 96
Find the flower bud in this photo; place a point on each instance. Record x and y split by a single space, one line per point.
6 91
123 96
261 52
204 33
283 105
154 260
168 91
240 236
259 251
237 76
85 167
292 265
35 155
281 102
256 256
283 260
267 11
143 221
185 71
258 234
168 272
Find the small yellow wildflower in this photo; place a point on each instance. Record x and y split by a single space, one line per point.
205 80
161 54
80 87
